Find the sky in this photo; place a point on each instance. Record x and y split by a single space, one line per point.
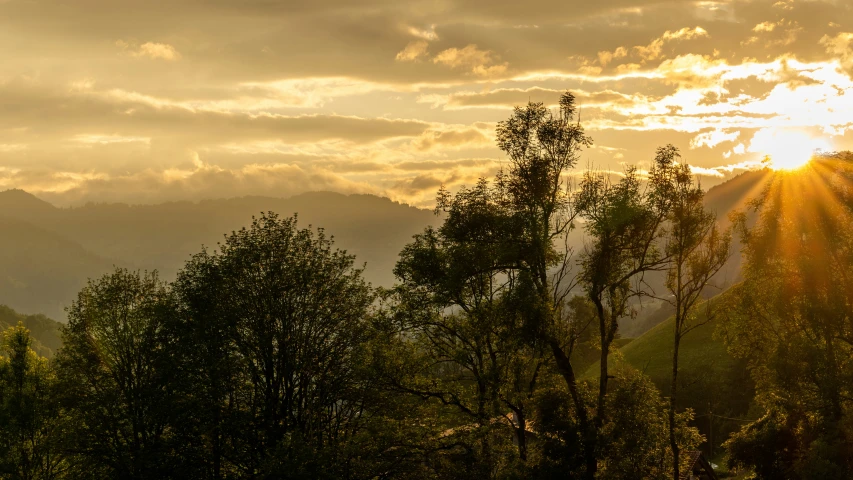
144 101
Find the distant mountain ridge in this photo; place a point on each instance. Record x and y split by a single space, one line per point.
47 253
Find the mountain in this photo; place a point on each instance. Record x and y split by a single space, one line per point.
46 333
47 253
736 192
725 198
42 271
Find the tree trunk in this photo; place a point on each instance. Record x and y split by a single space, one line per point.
673 394
604 376
565 368
521 433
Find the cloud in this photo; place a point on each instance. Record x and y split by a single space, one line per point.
451 138
786 31
413 51
708 172
425 34
764 27
310 92
839 46
471 58
713 138
507 98
654 50
391 91
153 50
606 57
200 181
121 113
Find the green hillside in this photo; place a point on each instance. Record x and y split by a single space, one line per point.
45 332
701 354
711 381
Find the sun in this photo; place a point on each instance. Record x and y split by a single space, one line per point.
789 161
789 149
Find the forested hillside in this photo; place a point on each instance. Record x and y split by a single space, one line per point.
45 332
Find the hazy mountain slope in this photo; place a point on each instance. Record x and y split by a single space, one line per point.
43 264
41 271
48 254
733 195
736 192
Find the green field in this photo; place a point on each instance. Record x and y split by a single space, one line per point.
711 382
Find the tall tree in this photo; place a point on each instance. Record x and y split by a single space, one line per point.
111 369
518 227
697 251
279 370
463 320
503 235
624 223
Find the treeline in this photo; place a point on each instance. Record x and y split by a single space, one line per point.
271 357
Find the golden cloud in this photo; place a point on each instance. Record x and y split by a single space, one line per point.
413 51
471 58
153 50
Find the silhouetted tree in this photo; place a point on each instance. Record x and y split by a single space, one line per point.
464 328
278 319
697 251
112 377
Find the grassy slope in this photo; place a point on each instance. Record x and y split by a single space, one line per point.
651 353
710 380
700 352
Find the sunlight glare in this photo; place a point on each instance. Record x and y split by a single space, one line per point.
787 149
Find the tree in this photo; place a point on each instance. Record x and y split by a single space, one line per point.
635 433
30 420
625 225
698 250
113 376
791 319
463 327
497 247
517 229
279 320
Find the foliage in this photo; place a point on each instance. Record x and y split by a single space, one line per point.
634 439
279 322
114 378
790 319
30 422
